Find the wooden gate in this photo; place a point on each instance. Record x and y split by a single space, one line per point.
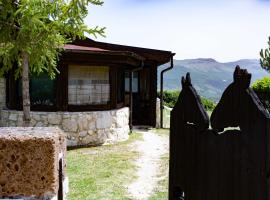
220 163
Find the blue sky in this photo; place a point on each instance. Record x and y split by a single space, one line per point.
226 30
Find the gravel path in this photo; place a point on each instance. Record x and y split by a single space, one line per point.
151 148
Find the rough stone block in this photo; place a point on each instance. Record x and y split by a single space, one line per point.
29 162
54 119
70 125
82 123
13 117
104 120
71 143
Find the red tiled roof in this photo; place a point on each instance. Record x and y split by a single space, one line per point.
96 50
82 48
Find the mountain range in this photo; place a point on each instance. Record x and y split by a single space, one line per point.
209 77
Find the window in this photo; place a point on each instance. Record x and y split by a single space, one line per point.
88 85
135 82
42 90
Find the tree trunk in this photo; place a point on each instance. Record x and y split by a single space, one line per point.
25 89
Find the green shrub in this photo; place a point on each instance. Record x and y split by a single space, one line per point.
171 96
208 104
262 89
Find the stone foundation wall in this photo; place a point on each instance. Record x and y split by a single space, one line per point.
29 162
82 128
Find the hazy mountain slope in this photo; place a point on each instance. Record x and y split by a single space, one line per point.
209 77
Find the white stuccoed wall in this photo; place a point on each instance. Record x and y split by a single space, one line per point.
166 117
82 128
158 113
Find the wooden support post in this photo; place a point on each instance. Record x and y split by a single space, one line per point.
130 100
61 188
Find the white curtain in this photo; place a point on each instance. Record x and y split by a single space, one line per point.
88 85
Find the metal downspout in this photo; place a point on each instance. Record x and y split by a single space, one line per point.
161 90
131 94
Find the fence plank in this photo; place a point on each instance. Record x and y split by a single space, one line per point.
234 165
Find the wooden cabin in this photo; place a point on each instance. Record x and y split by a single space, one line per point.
96 76
101 91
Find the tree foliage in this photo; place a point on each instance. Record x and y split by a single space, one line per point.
262 89
208 104
170 98
265 57
34 32
40 28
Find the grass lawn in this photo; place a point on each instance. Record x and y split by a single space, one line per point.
101 173
161 192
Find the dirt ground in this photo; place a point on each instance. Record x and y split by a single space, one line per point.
151 149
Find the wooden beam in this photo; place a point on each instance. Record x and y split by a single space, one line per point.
99 59
13 100
153 95
62 87
113 87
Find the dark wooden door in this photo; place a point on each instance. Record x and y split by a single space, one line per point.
140 97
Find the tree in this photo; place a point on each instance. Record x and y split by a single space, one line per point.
265 57
33 34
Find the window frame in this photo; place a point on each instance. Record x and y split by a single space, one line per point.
19 100
101 105
62 91
135 90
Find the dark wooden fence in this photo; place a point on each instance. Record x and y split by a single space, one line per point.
219 163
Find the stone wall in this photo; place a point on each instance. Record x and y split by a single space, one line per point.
82 128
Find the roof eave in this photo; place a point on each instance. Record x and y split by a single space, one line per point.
153 55
125 58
